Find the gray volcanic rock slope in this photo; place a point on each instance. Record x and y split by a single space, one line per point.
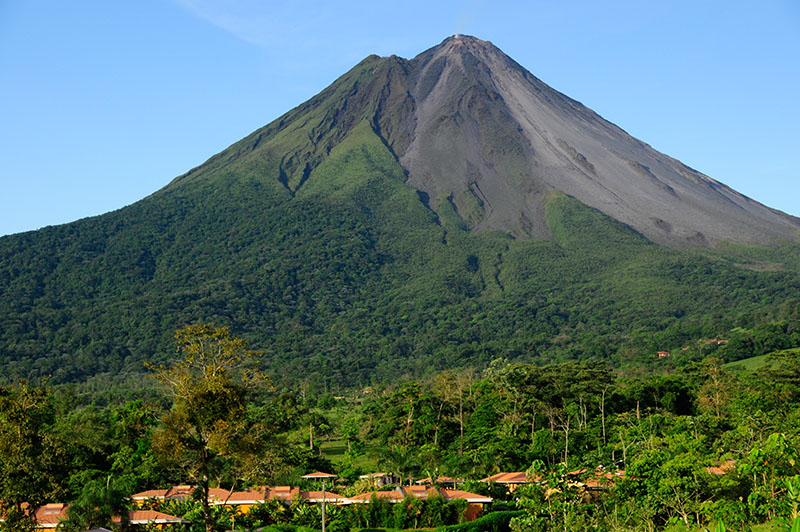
494 140
476 132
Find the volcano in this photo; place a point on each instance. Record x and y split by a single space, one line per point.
416 215
473 129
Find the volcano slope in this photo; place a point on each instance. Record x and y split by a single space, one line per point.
416 215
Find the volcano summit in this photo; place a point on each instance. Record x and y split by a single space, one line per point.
472 128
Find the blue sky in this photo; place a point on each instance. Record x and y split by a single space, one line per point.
103 103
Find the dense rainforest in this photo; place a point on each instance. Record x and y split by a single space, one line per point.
343 295
700 445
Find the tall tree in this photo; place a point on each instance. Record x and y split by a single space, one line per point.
30 458
205 431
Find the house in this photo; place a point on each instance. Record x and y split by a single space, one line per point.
49 515
722 468
475 503
246 500
512 480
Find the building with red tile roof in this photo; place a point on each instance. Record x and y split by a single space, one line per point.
174 493
512 480
722 468
49 515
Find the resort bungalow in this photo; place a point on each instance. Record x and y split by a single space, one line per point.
246 500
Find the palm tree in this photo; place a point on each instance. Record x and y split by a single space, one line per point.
97 505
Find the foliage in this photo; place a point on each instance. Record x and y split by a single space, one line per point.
206 430
326 259
492 522
30 456
701 447
98 503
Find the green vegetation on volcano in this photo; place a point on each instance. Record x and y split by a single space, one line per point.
305 239
356 279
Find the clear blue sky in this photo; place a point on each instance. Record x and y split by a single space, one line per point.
104 102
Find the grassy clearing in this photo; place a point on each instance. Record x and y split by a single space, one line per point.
748 364
756 363
336 452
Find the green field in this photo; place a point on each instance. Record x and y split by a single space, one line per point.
756 363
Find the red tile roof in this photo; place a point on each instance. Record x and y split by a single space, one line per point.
511 478
175 492
283 493
469 497
318 475
316 496
393 496
143 517
49 515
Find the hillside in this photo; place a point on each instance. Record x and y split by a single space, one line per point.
334 241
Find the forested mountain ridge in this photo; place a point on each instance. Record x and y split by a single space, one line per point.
335 242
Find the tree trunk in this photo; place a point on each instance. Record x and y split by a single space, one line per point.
209 520
461 425
603 414
408 423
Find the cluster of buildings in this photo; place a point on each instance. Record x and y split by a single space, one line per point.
49 515
589 482
244 501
